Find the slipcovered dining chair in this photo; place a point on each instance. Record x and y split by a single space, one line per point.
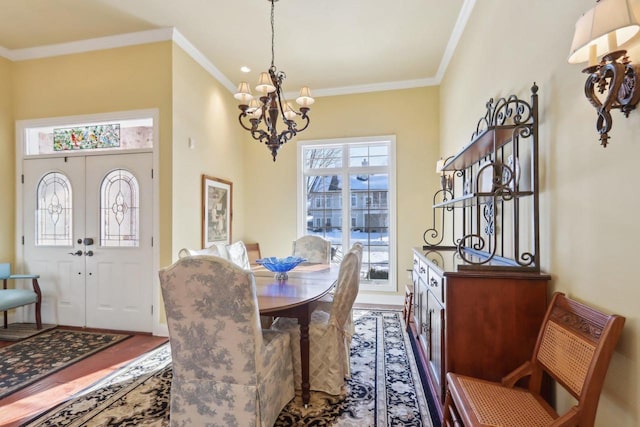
314 248
574 347
235 252
327 344
326 303
226 369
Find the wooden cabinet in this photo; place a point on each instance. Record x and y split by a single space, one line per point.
479 295
473 322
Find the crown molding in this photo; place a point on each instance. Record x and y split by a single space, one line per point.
5 53
199 57
373 87
456 34
99 43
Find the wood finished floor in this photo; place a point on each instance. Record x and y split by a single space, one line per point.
58 387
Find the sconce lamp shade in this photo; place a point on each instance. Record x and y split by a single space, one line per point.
601 30
439 166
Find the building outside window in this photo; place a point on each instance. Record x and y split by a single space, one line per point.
346 190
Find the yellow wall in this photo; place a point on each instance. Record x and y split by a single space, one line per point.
411 115
588 211
203 110
7 164
128 78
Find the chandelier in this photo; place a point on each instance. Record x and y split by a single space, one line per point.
261 116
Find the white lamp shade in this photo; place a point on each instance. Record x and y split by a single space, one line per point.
602 29
439 166
257 113
289 112
254 105
265 84
244 93
305 99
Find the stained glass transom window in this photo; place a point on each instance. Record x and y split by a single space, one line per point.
119 209
54 211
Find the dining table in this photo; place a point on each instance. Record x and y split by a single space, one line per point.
294 297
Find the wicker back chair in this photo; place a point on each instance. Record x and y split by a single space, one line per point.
574 347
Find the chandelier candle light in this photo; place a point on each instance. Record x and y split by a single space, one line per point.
270 105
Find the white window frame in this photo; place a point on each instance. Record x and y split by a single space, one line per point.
390 169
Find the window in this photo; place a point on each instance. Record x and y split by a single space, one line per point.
54 211
346 189
119 209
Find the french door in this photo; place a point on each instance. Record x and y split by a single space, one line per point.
88 233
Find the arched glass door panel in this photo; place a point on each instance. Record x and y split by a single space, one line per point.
54 211
119 209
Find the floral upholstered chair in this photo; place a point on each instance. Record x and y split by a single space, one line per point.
328 347
314 248
226 369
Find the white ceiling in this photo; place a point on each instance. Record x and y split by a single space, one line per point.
333 46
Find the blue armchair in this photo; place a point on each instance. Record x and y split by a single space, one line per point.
14 298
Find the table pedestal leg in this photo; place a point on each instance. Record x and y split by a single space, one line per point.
303 321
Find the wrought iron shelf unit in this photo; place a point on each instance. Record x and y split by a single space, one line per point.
488 203
474 199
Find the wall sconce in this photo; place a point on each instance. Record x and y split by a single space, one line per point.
446 177
599 32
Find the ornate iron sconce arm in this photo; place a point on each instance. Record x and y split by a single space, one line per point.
619 79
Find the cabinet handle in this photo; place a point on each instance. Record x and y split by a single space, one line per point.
422 270
434 282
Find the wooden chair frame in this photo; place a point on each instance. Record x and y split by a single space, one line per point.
574 346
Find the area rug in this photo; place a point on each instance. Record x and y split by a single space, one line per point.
30 360
20 331
384 389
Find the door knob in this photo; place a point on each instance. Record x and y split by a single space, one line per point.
89 253
76 253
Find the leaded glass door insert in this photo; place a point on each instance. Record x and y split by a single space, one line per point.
119 209
54 212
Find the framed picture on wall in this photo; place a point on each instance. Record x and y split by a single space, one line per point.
216 210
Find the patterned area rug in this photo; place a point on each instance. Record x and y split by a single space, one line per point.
28 361
384 389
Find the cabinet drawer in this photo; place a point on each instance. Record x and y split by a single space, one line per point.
423 271
435 283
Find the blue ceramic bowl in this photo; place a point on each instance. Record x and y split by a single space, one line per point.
280 265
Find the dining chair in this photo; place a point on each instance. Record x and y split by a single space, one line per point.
315 249
212 250
574 347
328 352
326 302
226 369
235 252
253 251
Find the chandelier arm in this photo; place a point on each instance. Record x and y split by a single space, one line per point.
240 117
307 120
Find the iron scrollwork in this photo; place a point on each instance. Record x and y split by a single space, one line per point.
508 120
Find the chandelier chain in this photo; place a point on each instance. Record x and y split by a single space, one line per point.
273 35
